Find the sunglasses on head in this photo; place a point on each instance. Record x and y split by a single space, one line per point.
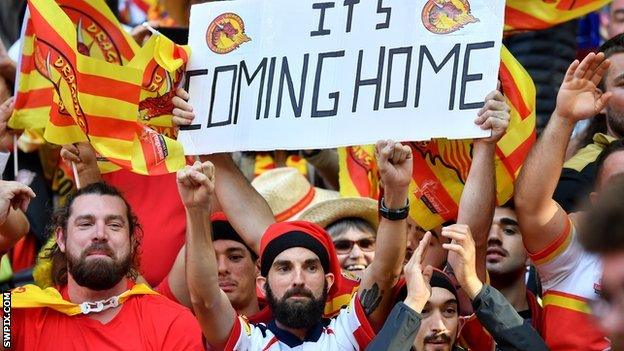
344 246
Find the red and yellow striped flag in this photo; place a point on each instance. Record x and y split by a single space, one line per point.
441 166
540 14
358 171
105 103
98 34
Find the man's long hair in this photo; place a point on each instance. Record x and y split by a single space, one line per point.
59 222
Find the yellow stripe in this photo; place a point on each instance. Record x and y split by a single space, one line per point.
110 147
566 302
175 161
57 19
101 68
421 213
63 135
28 118
28 46
138 158
107 107
32 81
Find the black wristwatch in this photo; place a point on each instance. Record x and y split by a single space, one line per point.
393 215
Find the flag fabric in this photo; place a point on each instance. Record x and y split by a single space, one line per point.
521 15
441 166
265 161
32 296
98 34
358 171
108 104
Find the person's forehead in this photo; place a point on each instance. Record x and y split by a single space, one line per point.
296 255
504 212
222 246
617 5
440 296
353 234
616 68
96 204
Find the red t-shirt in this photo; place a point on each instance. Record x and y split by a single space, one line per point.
144 322
155 200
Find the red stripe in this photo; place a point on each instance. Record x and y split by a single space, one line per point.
566 295
46 32
364 334
422 173
110 127
142 5
521 20
554 245
358 172
119 162
153 165
34 98
512 91
235 335
573 4
28 64
516 158
112 29
271 343
107 87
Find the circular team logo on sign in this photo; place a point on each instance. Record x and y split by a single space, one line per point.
447 16
226 33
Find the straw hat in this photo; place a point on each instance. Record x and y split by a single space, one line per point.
288 192
329 211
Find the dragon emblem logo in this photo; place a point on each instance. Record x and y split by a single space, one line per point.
226 33
447 16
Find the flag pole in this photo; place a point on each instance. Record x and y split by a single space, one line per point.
75 171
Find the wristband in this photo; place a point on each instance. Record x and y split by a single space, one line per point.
393 214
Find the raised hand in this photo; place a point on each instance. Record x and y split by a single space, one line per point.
578 97
13 194
494 115
196 185
183 111
463 246
6 109
395 168
82 154
417 277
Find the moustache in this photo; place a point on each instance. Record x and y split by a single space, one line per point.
99 247
437 338
299 291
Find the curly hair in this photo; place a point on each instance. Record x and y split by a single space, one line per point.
59 221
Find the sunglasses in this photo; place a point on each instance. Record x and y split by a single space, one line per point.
345 246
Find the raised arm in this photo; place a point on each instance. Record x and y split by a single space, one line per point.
232 188
478 199
14 200
541 219
494 312
211 306
395 167
401 327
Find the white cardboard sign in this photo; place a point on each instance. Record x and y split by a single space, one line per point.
284 74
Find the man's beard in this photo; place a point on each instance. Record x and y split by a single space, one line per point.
615 121
298 314
98 273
